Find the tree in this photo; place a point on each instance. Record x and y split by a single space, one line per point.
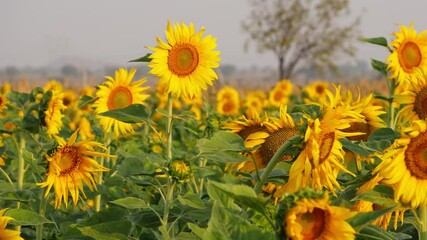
69 70
301 31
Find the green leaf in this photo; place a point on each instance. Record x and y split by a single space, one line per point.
380 194
375 232
225 224
197 230
145 58
383 133
106 215
117 230
363 219
241 194
382 41
19 98
85 100
225 157
24 217
349 145
379 66
130 202
193 200
135 113
162 112
222 141
307 109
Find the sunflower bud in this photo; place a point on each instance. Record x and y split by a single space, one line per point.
180 170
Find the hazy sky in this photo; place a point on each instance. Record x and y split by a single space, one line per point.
36 32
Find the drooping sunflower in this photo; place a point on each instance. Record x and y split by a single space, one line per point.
119 92
415 98
366 206
70 166
228 101
409 52
320 161
403 165
186 61
316 219
7 234
53 114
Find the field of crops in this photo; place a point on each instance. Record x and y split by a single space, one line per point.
122 160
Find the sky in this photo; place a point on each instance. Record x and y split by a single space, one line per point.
35 33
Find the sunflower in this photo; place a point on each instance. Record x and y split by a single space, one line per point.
321 159
415 98
403 165
53 114
254 102
277 97
7 234
252 131
185 63
3 101
365 206
315 92
69 98
316 219
409 52
228 101
70 166
119 92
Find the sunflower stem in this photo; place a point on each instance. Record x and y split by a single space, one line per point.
423 230
8 178
274 160
168 204
21 168
42 210
169 127
392 89
102 162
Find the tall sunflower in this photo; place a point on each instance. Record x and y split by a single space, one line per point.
415 98
404 167
409 52
316 219
321 159
70 166
119 92
185 62
7 234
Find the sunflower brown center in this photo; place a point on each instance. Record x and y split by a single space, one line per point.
410 56
416 156
278 95
312 223
66 101
358 127
120 97
70 160
183 59
274 142
319 89
245 132
326 144
420 104
228 107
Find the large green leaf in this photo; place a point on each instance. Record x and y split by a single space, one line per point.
117 230
19 98
363 219
375 232
106 215
383 133
26 217
130 202
222 141
382 41
381 195
241 194
349 145
379 66
193 200
228 225
135 113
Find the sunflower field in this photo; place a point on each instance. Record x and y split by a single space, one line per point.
123 160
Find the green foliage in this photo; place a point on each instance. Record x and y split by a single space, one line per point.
24 217
382 41
135 113
222 147
145 58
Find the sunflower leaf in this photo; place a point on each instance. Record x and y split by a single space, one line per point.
222 141
117 230
379 66
383 133
381 195
130 202
382 41
349 145
145 58
24 217
85 100
363 219
375 232
135 113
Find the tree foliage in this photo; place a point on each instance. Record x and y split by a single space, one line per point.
301 32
